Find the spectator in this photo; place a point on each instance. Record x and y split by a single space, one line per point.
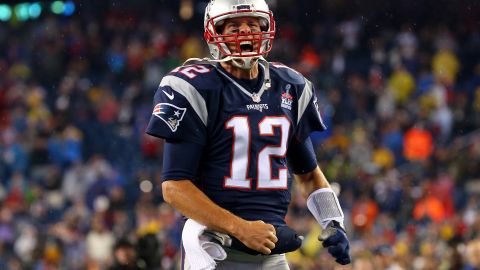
125 256
99 243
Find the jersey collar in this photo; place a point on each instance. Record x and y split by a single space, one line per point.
255 96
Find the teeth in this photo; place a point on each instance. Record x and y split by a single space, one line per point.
246 42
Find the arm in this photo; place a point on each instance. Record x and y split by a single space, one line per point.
189 200
185 197
311 181
321 200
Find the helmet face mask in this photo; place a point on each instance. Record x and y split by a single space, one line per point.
229 45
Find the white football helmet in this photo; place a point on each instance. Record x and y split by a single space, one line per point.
219 10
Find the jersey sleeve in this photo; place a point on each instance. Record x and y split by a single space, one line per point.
301 157
309 118
177 165
179 112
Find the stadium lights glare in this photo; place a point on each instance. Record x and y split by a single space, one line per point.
35 10
5 13
21 12
66 8
69 8
57 7
32 10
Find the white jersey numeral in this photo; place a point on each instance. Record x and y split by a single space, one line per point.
241 153
192 71
264 172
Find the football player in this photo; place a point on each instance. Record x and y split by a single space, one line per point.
234 126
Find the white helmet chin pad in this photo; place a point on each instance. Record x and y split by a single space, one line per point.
244 62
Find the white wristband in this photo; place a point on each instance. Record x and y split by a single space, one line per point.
324 206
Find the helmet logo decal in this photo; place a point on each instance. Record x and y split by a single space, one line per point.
244 7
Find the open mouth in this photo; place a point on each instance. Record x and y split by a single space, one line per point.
246 46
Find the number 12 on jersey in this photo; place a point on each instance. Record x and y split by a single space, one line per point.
239 165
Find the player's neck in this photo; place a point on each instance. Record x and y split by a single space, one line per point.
240 73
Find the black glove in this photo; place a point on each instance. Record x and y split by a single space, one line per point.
335 239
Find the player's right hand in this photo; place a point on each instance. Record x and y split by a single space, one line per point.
258 236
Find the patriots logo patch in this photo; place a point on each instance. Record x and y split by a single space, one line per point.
170 114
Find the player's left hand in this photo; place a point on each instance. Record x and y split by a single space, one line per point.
335 239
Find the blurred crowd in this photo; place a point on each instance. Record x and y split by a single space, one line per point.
80 181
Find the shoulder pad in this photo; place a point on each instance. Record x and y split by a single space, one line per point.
191 71
197 61
287 73
196 74
200 77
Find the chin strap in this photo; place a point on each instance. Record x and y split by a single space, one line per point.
267 82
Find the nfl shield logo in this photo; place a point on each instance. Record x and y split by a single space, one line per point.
170 114
287 100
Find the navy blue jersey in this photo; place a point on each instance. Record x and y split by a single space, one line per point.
244 133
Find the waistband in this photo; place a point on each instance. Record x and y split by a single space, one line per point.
239 256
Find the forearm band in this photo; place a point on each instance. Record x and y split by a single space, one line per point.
324 206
